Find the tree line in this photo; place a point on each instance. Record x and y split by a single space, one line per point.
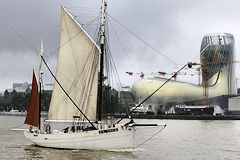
111 103
21 102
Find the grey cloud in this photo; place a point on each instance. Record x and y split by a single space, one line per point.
173 27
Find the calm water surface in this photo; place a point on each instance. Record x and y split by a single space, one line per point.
181 140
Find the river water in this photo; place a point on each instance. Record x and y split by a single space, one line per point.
180 140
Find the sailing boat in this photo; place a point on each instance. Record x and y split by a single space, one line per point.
75 95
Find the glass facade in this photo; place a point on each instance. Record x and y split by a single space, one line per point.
217 52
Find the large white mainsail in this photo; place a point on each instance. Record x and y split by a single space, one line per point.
77 72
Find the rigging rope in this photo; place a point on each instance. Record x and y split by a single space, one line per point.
115 73
151 137
125 51
153 92
36 52
144 41
110 65
66 93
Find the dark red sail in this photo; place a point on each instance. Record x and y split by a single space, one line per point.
32 117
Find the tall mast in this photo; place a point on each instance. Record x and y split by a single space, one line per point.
40 84
102 47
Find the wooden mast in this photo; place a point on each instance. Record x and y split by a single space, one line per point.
40 84
39 121
102 47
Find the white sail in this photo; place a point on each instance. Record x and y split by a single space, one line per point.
77 72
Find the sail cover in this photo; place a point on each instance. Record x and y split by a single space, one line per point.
32 117
77 72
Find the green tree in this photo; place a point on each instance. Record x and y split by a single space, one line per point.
4 105
21 102
45 100
110 100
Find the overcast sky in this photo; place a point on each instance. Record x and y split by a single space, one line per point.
173 27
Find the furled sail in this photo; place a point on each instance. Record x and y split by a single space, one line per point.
77 72
32 117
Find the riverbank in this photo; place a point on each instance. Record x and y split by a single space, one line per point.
181 117
143 116
44 114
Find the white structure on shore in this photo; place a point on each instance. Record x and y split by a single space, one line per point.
221 75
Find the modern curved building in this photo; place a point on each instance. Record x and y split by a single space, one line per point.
217 52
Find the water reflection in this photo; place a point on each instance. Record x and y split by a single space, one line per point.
32 152
35 152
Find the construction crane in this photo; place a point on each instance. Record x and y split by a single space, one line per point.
161 73
205 69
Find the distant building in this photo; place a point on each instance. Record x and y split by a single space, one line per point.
1 95
22 85
21 91
18 88
126 97
217 54
234 105
9 94
125 88
22 88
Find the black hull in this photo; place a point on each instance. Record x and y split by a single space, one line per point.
194 110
